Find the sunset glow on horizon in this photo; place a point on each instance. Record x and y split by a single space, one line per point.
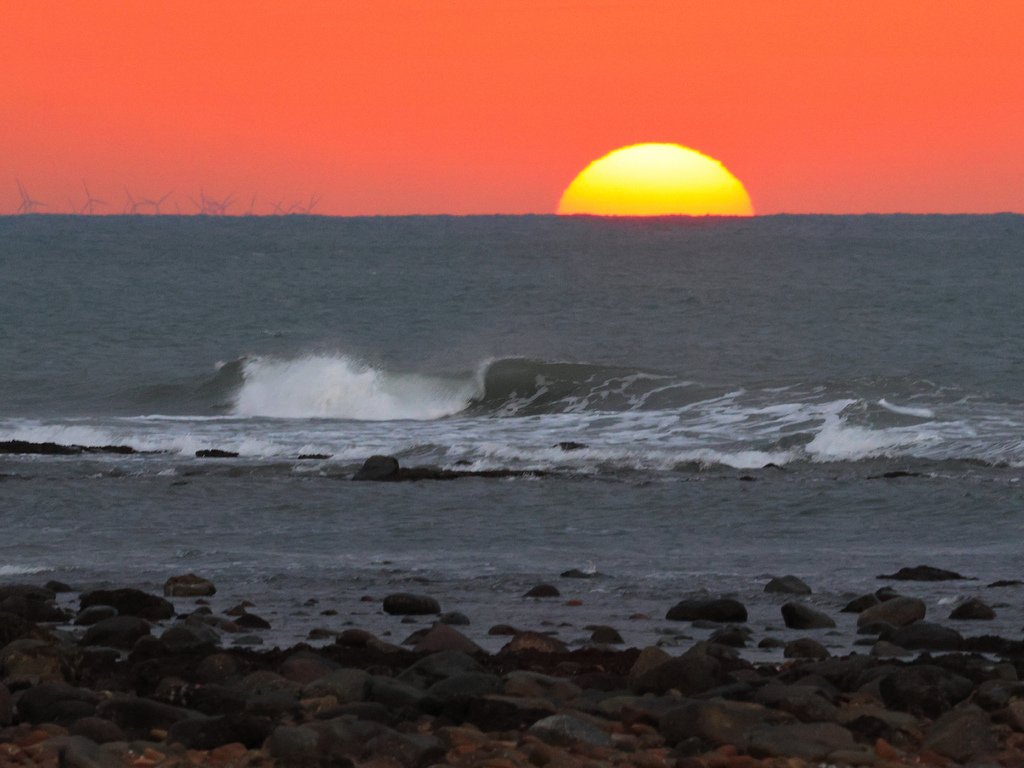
461 107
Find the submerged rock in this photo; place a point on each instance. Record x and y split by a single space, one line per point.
723 610
787 585
923 573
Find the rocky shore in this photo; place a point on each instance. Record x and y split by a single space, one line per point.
132 678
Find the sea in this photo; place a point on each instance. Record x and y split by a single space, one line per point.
680 406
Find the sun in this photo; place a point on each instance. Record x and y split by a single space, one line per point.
656 180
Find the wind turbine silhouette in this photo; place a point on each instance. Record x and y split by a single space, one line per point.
132 206
89 209
155 203
28 205
252 206
279 208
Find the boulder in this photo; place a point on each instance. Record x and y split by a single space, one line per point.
543 590
34 660
442 637
295 746
805 648
723 610
97 730
973 610
189 585
800 616
138 716
117 632
33 609
454 619
465 685
922 573
694 672
861 603
130 602
189 638
26 592
804 702
566 730
716 721
899 612
923 689
93 614
606 636
923 635
348 686
13 627
212 732
405 604
963 734
251 621
808 741
787 585
6 706
378 468
533 642
57 703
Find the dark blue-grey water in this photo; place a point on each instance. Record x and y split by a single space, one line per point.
741 387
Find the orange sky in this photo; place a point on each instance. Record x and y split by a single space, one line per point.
479 106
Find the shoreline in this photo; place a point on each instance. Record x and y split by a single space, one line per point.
140 679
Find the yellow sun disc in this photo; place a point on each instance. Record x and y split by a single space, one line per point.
656 180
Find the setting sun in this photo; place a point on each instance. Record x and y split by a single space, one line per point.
656 180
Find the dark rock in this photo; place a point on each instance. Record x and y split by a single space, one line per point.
57 587
804 702
922 573
80 752
716 721
130 602
94 614
809 741
189 638
213 699
212 732
394 693
923 635
305 666
787 585
606 636
117 632
859 604
543 590
26 592
886 593
348 686
962 734
576 573
566 730
408 750
189 585
569 445
923 689
502 629
31 609
138 717
973 609
464 686
252 621
378 468
805 648
24 447
535 642
263 681
13 627
216 668
800 616
1006 583
404 604
454 619
56 703
296 747
692 673
216 453
771 642
36 660
722 610
899 612
439 666
885 649
6 706
314 456
97 730
880 628
442 637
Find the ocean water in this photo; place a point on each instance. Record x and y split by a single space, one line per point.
832 397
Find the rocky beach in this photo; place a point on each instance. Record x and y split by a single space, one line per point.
121 676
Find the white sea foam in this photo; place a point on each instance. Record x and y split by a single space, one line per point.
340 388
22 570
906 410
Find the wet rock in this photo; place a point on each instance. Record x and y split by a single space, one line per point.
212 732
606 636
251 621
923 635
30 608
886 593
189 585
80 752
130 602
377 468
13 627
216 453
138 717
295 746
805 648
804 702
885 649
973 610
216 668
800 616
394 693
464 686
900 611
57 587
716 721
56 703
97 730
439 666
694 672
922 573
6 706
1006 583
576 573
405 604
543 590
263 681
94 614
730 635
722 610
535 685
566 730
35 660
305 666
859 604
809 741
117 632
923 689
454 619
787 585
189 638
535 642
502 629
442 637
348 686
962 734
569 445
